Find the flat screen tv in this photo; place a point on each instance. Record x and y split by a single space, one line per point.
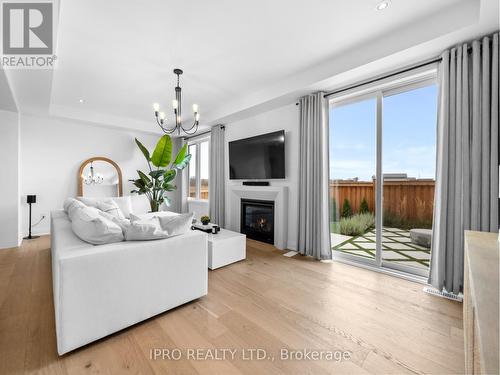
256 158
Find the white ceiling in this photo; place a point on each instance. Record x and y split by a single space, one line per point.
238 56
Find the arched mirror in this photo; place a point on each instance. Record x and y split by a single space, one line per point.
99 177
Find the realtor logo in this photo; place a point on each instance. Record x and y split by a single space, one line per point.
27 28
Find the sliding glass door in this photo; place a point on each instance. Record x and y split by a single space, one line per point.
382 172
353 161
409 168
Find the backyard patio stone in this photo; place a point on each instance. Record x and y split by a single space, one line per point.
421 255
396 247
392 255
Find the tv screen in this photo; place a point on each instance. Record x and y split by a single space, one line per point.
260 157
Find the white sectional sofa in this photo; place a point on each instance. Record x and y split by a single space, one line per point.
102 289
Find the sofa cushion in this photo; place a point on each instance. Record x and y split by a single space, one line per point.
141 229
177 224
71 204
122 223
108 205
90 226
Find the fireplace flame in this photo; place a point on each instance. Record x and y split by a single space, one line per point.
262 223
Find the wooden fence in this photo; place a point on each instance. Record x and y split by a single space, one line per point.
408 199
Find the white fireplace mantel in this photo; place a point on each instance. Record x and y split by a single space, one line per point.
278 194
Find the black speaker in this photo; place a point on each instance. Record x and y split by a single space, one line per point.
31 198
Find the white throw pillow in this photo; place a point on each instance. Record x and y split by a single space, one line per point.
122 223
125 205
90 226
71 204
149 215
104 204
144 229
178 224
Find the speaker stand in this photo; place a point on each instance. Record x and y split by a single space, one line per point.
30 237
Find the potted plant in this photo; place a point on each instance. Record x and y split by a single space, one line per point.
162 171
205 220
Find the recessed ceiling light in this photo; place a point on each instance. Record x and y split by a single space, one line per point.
81 100
383 5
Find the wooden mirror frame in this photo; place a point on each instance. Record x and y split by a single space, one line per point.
101 158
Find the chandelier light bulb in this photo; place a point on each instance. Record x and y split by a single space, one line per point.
197 116
175 104
156 107
92 178
195 108
162 115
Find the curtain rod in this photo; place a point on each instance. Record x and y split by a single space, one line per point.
206 132
403 70
395 73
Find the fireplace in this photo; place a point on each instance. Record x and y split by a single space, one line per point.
257 219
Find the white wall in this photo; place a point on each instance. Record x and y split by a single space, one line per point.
283 118
9 172
52 150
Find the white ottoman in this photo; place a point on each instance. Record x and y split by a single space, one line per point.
226 247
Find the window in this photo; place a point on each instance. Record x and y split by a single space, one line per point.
382 171
198 169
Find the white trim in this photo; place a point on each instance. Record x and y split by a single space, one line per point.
196 200
379 183
414 77
387 271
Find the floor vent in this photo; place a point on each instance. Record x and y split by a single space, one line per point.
453 297
291 254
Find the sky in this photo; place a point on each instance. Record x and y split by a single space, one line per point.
408 136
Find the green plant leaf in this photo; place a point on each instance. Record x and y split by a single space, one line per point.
139 183
144 150
163 152
157 173
144 178
169 175
168 187
183 164
181 154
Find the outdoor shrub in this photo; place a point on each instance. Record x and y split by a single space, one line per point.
346 209
363 207
357 224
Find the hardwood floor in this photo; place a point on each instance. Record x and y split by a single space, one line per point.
388 325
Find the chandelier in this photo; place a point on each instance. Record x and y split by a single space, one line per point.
92 178
177 107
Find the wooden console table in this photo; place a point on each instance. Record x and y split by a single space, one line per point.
481 303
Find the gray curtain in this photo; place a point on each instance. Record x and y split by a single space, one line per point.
314 226
466 195
217 182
